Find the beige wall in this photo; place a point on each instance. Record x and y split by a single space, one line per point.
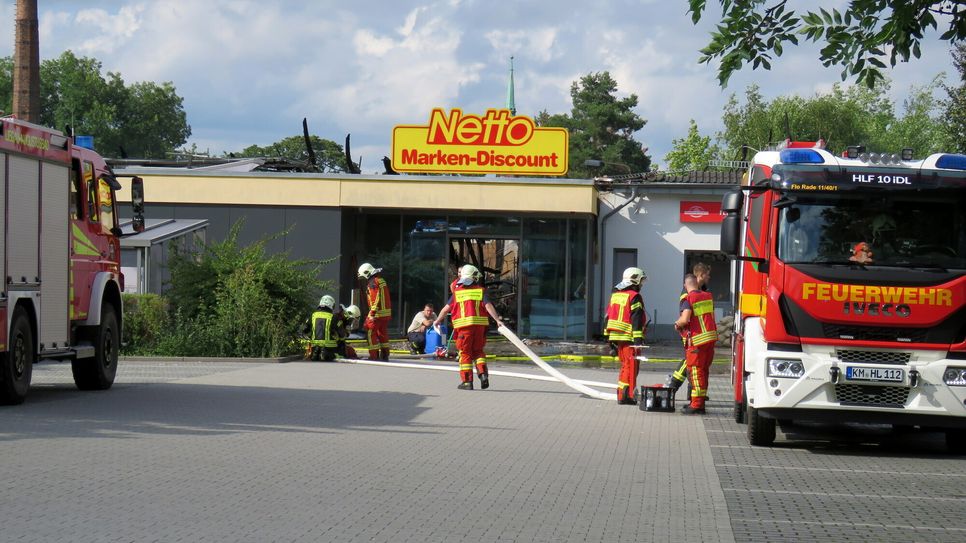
402 192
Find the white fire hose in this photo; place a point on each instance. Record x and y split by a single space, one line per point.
576 384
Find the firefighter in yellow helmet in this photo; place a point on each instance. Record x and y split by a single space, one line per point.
624 328
470 306
321 326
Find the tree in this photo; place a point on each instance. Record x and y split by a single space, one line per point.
601 128
954 106
693 152
145 119
846 116
860 39
329 155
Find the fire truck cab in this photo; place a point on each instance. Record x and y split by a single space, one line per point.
850 291
60 265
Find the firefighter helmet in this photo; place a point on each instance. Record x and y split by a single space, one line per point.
367 270
327 301
352 311
632 277
469 274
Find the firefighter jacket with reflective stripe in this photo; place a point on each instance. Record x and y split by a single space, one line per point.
322 329
625 316
378 297
702 326
468 306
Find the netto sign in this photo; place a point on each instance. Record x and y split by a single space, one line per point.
497 142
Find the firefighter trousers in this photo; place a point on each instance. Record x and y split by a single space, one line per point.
377 337
470 340
698 360
630 366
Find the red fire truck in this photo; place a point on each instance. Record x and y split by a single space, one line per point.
59 242
850 291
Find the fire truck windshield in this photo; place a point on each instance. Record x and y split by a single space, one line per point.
924 230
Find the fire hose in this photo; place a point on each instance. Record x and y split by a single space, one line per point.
579 385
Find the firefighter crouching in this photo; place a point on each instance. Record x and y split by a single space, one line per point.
470 305
697 324
322 332
625 329
380 312
344 321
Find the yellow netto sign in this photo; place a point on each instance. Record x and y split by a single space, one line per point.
497 142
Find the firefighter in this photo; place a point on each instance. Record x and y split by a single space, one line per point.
625 330
702 274
344 322
321 325
697 324
380 312
470 305
861 253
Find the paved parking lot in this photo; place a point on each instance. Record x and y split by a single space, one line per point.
233 451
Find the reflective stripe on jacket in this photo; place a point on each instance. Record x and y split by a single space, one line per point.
322 329
702 326
625 316
468 307
378 297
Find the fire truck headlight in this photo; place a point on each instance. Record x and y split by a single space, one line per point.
955 377
782 367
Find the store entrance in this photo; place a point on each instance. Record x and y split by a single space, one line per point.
498 260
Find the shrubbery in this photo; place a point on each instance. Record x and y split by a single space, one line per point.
225 300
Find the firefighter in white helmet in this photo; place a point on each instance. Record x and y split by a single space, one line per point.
322 331
380 311
470 306
626 320
345 321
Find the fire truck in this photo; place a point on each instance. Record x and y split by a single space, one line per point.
850 293
59 241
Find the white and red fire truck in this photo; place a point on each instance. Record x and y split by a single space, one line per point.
60 265
850 291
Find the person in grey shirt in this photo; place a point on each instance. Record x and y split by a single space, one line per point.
417 329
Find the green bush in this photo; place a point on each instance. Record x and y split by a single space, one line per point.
237 301
146 322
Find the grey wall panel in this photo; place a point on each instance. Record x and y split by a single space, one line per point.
23 237
316 234
54 255
3 225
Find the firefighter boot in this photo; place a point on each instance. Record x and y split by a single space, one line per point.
689 410
374 354
466 385
484 376
385 354
625 396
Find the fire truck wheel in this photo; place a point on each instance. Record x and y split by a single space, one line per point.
956 441
761 430
17 364
741 408
98 373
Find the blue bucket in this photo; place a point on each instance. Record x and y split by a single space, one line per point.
434 340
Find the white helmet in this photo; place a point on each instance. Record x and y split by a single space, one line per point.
352 311
366 270
631 277
327 301
469 274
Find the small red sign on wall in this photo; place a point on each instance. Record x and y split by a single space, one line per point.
701 211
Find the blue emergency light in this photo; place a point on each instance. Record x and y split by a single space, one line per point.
952 162
87 142
800 156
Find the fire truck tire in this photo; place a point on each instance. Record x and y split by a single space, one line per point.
741 408
17 364
956 441
98 373
761 430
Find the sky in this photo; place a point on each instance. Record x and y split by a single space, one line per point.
249 71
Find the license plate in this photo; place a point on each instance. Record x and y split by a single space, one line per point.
854 373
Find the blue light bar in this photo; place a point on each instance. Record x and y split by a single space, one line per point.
800 156
952 162
87 142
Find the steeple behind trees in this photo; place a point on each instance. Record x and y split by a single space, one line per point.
511 103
